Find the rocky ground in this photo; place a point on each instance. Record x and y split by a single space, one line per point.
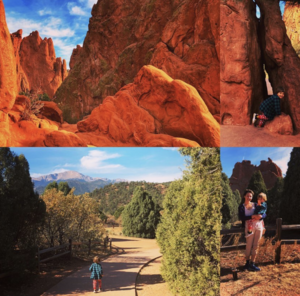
249 136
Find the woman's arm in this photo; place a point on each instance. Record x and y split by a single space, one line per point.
242 215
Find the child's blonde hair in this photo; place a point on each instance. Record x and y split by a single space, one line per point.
263 196
96 259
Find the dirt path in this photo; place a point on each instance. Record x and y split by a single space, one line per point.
249 136
150 282
120 271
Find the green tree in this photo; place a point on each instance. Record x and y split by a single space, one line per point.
118 212
229 204
64 187
290 209
51 186
257 184
274 201
237 196
21 212
141 216
189 232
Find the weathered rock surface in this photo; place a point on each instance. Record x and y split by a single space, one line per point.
281 59
75 56
154 104
243 171
242 76
44 72
8 75
23 85
280 124
180 37
51 111
291 18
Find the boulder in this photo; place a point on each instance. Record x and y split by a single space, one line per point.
154 104
179 37
63 139
51 111
8 75
241 72
4 130
243 171
280 124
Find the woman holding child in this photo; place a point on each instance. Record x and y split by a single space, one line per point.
252 214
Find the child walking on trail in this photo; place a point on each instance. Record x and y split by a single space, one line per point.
260 209
97 273
269 108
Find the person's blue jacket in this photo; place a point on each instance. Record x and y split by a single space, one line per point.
271 107
97 271
242 215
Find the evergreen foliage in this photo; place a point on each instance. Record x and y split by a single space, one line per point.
274 201
257 185
113 196
290 210
237 196
52 185
21 213
118 212
189 232
64 187
141 216
230 205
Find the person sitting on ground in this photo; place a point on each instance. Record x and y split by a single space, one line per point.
97 273
269 108
261 209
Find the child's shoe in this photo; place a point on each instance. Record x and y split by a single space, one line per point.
99 290
254 118
95 291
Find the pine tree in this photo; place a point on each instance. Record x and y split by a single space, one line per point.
21 211
290 209
51 186
257 184
64 187
237 196
141 216
189 232
275 201
229 208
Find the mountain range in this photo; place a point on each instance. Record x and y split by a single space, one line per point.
80 182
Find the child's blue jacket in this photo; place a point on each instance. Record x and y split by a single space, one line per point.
242 215
97 271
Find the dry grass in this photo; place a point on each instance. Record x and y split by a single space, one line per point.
273 279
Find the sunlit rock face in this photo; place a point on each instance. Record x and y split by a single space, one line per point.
44 72
243 171
150 110
179 37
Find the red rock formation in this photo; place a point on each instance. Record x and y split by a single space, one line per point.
8 75
22 81
180 37
51 111
153 104
43 70
243 171
75 56
242 77
280 124
281 60
291 18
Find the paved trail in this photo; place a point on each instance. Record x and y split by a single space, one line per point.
120 271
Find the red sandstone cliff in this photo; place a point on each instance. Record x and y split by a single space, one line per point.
44 72
243 171
179 37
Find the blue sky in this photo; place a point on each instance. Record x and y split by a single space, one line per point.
66 22
230 156
132 164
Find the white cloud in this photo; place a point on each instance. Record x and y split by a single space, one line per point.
56 171
44 12
283 159
89 3
75 10
95 160
27 25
